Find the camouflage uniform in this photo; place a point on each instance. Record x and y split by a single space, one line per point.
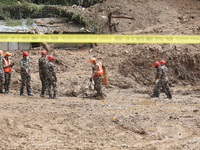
43 73
1 75
163 82
7 79
98 80
51 78
25 77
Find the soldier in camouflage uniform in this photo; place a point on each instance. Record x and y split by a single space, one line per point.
43 72
1 72
161 80
25 74
51 77
97 75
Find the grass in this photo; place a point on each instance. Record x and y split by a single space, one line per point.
93 24
13 22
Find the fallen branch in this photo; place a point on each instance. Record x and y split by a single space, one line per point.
126 17
45 45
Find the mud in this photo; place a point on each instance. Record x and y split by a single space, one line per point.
128 118
121 121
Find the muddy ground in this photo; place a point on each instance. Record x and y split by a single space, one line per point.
128 118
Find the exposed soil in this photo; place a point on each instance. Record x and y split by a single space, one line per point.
128 118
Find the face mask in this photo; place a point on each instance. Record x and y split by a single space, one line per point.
27 57
8 57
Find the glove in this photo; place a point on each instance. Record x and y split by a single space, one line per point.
157 80
153 80
91 79
11 66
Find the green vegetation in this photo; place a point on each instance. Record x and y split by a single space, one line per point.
85 3
13 22
20 14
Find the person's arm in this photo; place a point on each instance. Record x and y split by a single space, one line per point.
96 67
22 66
159 75
54 72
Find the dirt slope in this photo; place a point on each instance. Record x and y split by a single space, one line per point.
127 118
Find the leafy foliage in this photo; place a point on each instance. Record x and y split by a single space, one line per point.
85 3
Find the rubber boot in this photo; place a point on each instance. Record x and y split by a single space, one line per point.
6 89
157 94
42 94
100 97
22 91
29 91
1 89
50 96
54 96
169 95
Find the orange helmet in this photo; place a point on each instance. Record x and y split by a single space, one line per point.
92 60
7 54
1 52
156 63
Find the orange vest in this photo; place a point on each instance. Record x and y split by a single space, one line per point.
7 63
100 69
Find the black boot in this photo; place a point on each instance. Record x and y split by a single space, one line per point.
50 96
169 95
29 91
22 91
1 89
157 94
54 96
42 94
8 90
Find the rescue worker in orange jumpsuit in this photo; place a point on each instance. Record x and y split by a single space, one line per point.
7 67
97 75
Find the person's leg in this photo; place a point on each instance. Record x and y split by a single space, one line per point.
49 87
23 80
1 82
28 85
55 90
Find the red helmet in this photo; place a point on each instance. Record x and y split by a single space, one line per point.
44 53
156 63
163 62
51 57
25 53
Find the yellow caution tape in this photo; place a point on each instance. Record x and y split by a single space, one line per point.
93 38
